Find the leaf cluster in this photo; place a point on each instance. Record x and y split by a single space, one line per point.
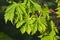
31 17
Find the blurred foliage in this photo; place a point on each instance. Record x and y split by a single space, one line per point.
29 17
4 36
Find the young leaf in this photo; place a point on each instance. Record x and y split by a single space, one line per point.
23 29
10 14
19 24
28 29
34 28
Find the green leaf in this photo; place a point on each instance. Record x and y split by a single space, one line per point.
23 8
10 7
58 12
23 29
25 1
19 24
28 30
10 13
37 6
32 20
34 28
58 2
46 38
43 27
